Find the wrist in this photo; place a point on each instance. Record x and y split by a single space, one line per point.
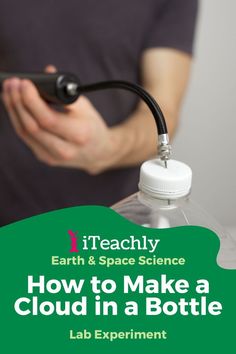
121 143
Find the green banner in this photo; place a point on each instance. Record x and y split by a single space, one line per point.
85 280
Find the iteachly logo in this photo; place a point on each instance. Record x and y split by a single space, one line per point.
94 242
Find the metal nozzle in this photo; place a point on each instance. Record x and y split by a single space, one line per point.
164 148
72 88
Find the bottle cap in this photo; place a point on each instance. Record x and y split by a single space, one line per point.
172 182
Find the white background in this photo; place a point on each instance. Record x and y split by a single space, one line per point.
206 137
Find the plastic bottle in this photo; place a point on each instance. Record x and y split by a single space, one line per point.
163 201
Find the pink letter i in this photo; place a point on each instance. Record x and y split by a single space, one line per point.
73 237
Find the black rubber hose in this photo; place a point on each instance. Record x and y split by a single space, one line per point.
54 88
144 95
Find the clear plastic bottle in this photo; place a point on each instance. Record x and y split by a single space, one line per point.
164 201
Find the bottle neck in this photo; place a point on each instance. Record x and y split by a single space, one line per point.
157 203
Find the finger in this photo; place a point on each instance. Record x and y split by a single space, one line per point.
6 96
25 120
51 69
36 106
56 147
40 152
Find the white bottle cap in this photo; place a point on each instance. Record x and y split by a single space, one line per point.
172 182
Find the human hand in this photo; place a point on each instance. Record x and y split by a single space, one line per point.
77 138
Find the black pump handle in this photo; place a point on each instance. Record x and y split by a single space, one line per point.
52 87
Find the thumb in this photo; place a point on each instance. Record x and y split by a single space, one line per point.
81 106
50 69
